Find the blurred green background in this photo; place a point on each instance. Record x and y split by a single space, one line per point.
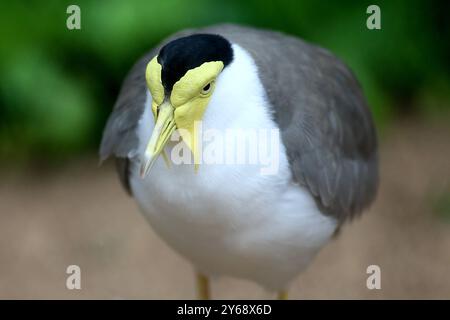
57 85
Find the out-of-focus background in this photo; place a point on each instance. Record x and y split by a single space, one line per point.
58 208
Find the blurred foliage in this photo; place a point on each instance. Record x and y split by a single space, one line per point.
57 86
440 203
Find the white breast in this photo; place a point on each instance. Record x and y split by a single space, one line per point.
231 219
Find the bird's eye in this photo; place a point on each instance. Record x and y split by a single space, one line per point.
206 89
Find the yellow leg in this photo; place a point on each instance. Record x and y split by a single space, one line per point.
282 295
202 287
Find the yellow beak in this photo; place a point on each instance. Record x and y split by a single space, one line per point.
164 127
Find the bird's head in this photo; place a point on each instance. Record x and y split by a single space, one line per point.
181 80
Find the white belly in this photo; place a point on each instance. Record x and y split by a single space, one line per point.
230 219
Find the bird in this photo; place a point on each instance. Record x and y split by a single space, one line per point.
231 219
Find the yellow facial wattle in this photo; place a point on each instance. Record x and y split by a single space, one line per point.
154 84
185 107
190 101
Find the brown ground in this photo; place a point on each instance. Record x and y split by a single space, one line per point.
80 215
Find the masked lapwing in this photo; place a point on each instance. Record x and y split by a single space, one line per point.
233 218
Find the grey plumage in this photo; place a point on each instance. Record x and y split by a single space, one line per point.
324 121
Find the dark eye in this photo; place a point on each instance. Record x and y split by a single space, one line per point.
206 88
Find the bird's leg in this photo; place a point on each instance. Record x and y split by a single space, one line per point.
202 286
282 295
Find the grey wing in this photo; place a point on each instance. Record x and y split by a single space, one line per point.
332 145
325 123
120 137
